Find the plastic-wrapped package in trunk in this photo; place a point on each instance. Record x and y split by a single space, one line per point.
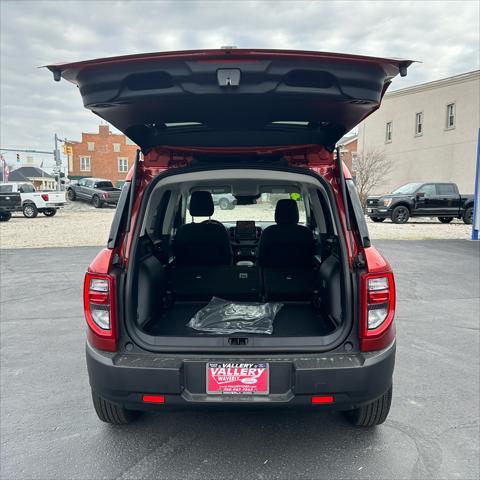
227 317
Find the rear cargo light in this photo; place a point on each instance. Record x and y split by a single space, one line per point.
99 307
105 195
153 398
322 399
377 330
45 197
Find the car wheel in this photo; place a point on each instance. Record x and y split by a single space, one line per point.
400 214
372 414
468 216
5 216
224 204
30 210
97 203
109 412
377 219
71 195
445 219
50 212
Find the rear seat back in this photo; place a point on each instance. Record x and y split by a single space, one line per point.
229 281
289 283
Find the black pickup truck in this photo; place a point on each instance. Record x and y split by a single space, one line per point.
9 202
432 199
98 191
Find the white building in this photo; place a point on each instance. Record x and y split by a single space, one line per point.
429 131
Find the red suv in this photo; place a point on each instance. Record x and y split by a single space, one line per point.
261 126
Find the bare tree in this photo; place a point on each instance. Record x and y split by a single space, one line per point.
370 169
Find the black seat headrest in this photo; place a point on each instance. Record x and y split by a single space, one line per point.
286 211
201 204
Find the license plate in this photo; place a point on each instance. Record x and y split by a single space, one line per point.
237 378
369 210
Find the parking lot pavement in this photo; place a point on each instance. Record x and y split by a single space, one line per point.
49 429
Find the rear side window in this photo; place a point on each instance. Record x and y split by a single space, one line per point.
119 217
445 189
104 185
26 188
358 214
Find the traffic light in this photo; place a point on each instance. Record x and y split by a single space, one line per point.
67 150
18 158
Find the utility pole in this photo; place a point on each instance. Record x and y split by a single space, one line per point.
58 162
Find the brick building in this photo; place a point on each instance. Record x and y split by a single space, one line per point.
102 155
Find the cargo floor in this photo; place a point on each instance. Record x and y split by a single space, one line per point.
293 320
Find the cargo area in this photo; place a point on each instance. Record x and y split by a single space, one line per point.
293 320
274 241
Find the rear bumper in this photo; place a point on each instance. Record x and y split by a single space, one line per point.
54 205
12 209
353 379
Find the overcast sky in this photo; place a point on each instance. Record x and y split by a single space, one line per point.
443 35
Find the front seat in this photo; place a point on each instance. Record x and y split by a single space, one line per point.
286 244
202 244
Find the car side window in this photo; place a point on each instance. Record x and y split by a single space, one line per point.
445 189
81 183
427 189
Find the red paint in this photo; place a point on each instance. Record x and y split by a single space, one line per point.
101 263
376 263
70 70
153 399
322 399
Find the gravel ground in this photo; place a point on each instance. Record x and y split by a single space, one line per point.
79 224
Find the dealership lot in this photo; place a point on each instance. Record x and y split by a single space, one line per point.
80 224
49 429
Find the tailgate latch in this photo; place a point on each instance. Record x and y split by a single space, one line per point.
228 77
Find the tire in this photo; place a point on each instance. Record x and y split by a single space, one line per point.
467 216
112 413
376 219
96 202
71 195
5 216
372 414
50 212
445 219
30 210
400 214
224 204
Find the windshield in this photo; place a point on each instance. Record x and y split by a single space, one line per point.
227 211
408 188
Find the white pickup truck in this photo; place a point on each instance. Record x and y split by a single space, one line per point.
34 202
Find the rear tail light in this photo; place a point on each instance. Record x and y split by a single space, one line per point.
99 307
105 195
377 311
45 197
